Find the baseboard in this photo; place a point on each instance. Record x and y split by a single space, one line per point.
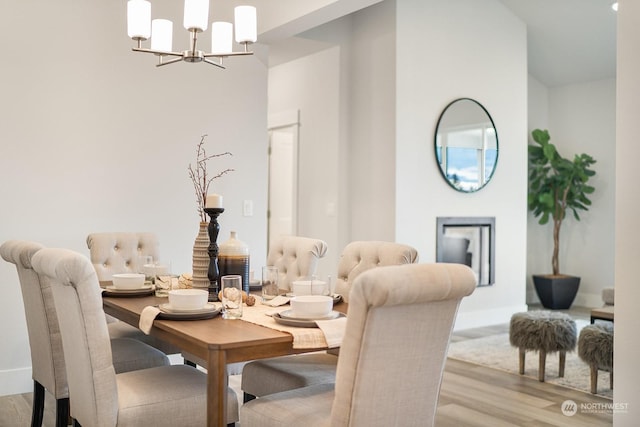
477 319
588 300
16 381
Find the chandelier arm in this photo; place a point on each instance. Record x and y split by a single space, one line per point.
171 61
224 55
157 52
214 63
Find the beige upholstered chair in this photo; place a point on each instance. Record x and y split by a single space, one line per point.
47 357
119 252
296 258
273 375
392 358
172 395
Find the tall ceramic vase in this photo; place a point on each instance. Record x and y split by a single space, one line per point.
201 258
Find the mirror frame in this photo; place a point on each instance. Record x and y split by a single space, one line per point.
435 146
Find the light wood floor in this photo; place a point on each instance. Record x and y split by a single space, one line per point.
471 395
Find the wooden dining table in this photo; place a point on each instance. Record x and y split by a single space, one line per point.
218 341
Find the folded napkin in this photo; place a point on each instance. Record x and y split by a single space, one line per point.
333 330
147 317
277 301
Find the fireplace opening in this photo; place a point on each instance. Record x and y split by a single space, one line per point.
469 241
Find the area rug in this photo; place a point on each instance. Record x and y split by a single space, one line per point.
496 352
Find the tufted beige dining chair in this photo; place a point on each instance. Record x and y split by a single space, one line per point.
392 358
173 395
267 376
119 252
296 258
47 357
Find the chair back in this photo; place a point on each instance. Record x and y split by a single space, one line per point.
47 357
85 338
296 258
395 344
118 252
360 256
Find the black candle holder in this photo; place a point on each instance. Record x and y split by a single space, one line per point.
214 272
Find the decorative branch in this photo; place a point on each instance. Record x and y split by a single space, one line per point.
198 174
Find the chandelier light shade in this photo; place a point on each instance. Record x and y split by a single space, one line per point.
246 24
139 19
140 28
221 37
162 30
196 15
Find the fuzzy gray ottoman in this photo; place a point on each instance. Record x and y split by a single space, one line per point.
595 348
543 331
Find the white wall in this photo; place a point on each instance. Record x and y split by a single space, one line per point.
487 62
346 96
581 119
311 84
627 234
95 138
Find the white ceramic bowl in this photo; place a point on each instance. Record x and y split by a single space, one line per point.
311 306
128 280
303 287
188 299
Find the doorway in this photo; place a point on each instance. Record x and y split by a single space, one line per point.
282 212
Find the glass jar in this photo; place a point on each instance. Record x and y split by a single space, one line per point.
233 258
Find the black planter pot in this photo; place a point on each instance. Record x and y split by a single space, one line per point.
556 292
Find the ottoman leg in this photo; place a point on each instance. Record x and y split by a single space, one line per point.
594 378
563 358
521 358
541 365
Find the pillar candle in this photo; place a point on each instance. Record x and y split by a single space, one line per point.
213 201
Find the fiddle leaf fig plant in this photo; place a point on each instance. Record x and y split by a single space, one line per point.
557 185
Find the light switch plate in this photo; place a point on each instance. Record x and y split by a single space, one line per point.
247 208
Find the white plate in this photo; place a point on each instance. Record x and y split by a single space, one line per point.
168 309
289 314
144 288
336 297
297 323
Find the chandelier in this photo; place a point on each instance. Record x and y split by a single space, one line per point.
140 27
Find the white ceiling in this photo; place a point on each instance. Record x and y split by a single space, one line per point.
569 41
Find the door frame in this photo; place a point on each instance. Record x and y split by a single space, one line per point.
277 121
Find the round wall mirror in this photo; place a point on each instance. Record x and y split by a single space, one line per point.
466 144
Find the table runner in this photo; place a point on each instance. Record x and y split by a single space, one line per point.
303 338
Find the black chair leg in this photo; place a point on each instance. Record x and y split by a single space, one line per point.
246 397
62 412
37 411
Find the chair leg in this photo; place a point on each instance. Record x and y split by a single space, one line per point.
37 411
594 378
521 359
247 397
541 365
563 358
62 412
